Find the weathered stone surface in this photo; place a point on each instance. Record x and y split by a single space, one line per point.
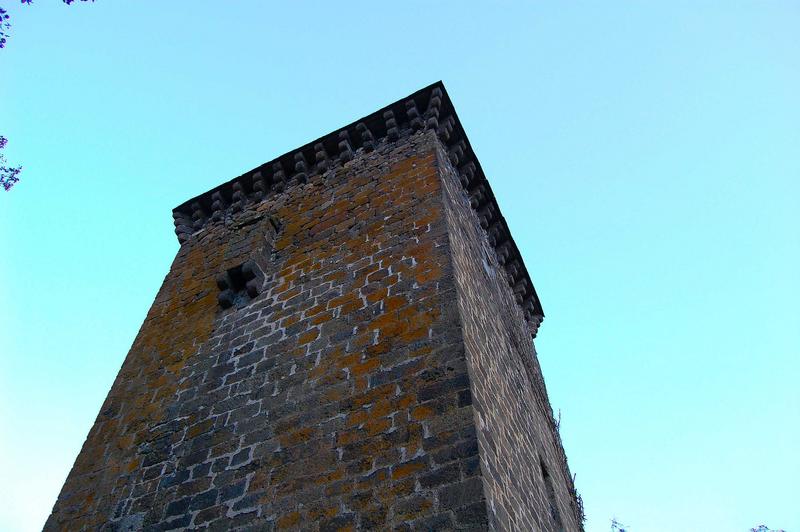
340 350
517 436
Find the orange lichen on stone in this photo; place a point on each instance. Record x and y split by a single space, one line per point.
307 337
288 520
422 412
365 367
297 436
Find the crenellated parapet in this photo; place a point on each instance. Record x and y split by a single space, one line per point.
427 109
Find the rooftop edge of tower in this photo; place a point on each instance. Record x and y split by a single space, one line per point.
428 108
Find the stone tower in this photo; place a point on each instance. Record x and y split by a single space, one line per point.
343 341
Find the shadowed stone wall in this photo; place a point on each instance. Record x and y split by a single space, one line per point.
525 475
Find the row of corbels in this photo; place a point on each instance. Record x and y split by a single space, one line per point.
480 198
276 176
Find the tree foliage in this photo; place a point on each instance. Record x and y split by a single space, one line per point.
9 174
616 526
5 20
4 26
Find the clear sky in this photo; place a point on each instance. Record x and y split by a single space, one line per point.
646 157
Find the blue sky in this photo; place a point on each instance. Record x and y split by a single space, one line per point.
644 155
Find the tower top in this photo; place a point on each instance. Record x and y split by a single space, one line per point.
430 109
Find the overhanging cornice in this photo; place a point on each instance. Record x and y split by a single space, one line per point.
428 108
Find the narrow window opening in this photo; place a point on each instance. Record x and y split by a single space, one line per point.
273 230
551 498
276 224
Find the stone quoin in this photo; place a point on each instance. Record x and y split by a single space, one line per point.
344 341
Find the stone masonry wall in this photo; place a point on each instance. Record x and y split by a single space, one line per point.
526 479
334 392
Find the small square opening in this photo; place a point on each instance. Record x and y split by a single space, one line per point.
239 284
